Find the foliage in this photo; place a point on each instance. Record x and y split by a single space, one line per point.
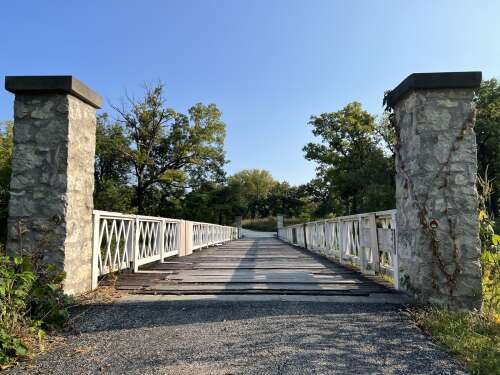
473 338
490 253
290 201
31 299
216 203
255 186
488 138
6 145
268 224
167 150
265 224
16 281
353 174
112 191
11 347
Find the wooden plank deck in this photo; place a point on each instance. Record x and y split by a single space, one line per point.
250 266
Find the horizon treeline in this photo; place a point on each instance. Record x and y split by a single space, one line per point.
154 160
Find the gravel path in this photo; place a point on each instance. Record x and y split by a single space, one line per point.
229 337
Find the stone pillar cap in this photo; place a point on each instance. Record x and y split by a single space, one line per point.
53 84
423 81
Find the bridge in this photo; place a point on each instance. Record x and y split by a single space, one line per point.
428 246
218 262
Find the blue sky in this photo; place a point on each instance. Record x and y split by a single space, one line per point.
268 65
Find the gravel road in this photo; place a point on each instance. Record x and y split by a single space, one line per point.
243 337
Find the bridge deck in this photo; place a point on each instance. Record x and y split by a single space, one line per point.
249 266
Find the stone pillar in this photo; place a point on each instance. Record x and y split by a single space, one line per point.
436 198
50 208
279 221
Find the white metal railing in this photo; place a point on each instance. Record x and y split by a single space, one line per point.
122 241
366 240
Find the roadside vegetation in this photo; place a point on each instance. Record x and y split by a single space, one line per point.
32 303
268 224
470 336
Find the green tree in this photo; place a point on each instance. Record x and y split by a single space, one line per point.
217 203
287 200
352 166
112 191
255 186
6 145
169 150
488 138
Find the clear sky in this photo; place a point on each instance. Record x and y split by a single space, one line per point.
267 64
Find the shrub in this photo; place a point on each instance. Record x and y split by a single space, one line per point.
490 254
31 301
16 281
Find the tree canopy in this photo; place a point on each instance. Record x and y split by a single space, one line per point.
158 149
488 137
353 173
155 160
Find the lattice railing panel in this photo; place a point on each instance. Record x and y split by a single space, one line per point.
367 240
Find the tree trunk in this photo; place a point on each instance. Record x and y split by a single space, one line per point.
140 198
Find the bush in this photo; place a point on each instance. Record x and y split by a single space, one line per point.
490 254
31 301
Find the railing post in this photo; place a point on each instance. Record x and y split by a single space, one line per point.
179 245
372 225
341 239
186 238
136 244
96 248
363 259
162 240
305 235
189 237
395 255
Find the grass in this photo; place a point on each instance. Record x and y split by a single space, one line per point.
471 337
267 224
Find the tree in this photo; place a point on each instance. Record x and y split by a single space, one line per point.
488 137
169 150
286 200
255 186
6 146
112 191
351 163
217 203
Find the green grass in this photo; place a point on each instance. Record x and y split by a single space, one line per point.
472 338
267 224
